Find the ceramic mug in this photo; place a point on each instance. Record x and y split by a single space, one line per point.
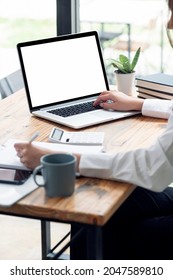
58 172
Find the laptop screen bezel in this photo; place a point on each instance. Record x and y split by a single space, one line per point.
22 45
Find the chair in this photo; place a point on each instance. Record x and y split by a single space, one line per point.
106 32
11 83
108 36
142 39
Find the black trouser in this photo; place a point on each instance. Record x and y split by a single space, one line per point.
142 228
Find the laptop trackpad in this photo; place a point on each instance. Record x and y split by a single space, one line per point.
89 118
113 115
103 114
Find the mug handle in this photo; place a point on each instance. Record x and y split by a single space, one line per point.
35 173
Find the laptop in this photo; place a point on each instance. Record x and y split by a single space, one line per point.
63 76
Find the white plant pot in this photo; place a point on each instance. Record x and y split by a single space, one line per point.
125 82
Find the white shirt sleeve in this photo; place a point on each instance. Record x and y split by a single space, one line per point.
151 168
157 108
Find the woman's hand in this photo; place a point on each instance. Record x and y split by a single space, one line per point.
29 154
118 101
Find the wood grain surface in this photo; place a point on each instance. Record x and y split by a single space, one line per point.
94 200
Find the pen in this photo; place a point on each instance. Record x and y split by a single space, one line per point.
34 136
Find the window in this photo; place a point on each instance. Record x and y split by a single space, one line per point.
33 19
22 21
127 24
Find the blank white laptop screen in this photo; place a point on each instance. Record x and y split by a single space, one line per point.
63 70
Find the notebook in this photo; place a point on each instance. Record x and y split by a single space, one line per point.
9 158
63 76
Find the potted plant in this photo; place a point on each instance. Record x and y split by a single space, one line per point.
125 72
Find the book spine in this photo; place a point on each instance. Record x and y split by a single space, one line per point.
154 86
153 94
153 91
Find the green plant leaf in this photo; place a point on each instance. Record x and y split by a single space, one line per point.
127 67
135 59
123 58
117 64
125 62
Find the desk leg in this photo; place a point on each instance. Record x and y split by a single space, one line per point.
45 239
94 243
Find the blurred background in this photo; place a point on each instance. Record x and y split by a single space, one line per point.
123 26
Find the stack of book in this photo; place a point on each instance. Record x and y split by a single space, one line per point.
157 85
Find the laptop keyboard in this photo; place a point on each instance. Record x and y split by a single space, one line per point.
75 109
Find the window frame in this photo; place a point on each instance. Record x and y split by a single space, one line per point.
67 15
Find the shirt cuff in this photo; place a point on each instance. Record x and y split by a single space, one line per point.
157 108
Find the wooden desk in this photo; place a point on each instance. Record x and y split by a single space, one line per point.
94 201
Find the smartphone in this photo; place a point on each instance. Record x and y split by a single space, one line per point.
81 138
14 176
